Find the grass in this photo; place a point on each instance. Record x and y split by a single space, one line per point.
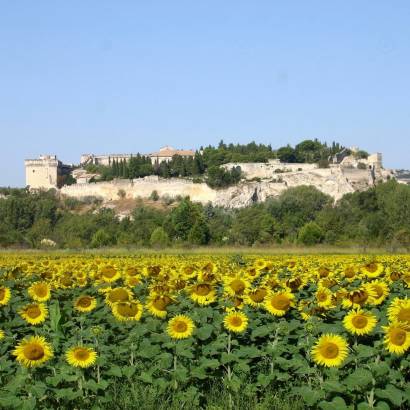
228 250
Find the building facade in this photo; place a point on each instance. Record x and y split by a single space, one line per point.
46 172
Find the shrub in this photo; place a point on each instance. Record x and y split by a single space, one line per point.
154 196
159 238
121 193
310 234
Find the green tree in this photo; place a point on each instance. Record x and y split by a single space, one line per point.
199 233
310 234
159 238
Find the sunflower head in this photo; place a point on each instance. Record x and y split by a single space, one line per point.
5 295
34 313
80 356
125 311
180 327
279 303
359 322
236 322
397 337
118 295
330 350
33 351
40 291
85 303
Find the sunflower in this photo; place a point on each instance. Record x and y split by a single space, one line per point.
236 286
397 337
85 303
202 293
359 322
80 356
357 298
372 269
256 297
399 311
381 290
33 351
350 273
132 281
180 327
125 311
157 305
330 350
34 313
279 303
5 295
117 295
324 297
236 322
2 334
40 291
109 274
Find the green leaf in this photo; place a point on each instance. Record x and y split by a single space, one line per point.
380 369
29 403
391 393
364 351
67 393
382 405
337 403
128 371
55 316
333 386
114 370
209 363
205 332
359 379
146 377
261 331
310 396
228 358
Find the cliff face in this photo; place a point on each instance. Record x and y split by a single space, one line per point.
332 181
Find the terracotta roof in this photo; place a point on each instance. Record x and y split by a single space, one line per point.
171 153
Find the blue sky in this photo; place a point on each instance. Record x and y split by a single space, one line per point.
128 76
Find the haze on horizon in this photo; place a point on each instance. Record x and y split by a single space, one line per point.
109 77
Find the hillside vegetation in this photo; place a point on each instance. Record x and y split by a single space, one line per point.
303 215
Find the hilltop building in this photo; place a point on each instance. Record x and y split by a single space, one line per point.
164 154
46 172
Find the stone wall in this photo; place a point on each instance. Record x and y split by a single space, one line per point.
268 170
142 188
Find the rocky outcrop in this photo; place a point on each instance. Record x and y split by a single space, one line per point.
334 181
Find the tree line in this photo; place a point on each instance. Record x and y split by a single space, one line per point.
379 216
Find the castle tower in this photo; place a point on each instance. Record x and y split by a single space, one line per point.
42 172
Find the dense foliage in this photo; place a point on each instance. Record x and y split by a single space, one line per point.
379 216
331 332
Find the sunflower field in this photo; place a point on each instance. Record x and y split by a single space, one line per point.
328 332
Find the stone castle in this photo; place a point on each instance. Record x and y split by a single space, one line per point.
345 173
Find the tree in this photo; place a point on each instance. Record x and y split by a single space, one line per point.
199 233
310 234
253 224
183 218
286 154
101 238
159 238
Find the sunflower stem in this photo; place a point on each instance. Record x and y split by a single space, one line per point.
229 371
175 368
